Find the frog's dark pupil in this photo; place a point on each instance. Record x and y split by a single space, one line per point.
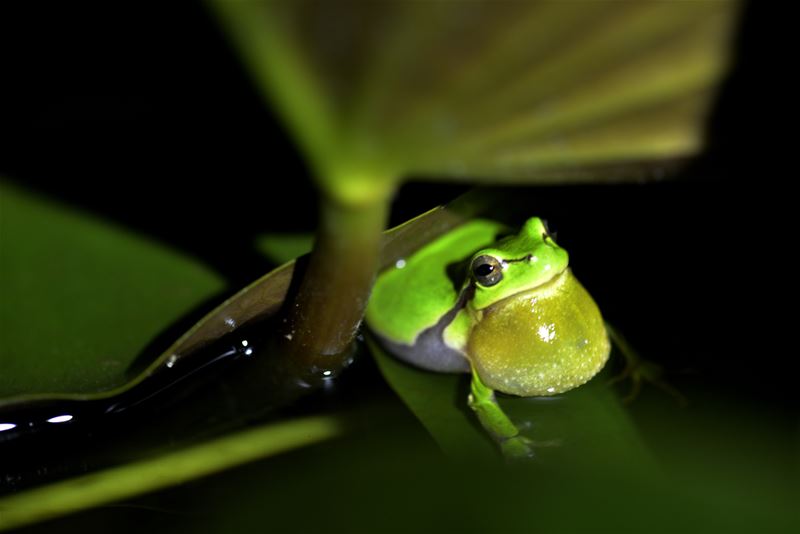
487 270
484 269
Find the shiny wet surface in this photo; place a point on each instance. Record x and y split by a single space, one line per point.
231 383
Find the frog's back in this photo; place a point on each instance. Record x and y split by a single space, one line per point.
413 301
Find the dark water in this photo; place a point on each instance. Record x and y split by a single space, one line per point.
234 381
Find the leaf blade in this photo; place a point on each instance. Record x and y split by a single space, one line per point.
81 298
132 479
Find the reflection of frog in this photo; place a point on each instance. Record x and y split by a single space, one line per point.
516 317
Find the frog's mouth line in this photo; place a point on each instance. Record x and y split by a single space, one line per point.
517 260
542 290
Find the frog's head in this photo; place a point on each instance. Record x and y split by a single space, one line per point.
516 264
537 330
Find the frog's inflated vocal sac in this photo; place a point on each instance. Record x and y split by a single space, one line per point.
509 311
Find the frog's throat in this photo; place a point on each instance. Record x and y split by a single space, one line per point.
544 289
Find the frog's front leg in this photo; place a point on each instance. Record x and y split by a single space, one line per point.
483 402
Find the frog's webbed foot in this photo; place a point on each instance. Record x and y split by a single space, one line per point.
639 371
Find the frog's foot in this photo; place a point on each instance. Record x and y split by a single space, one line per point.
640 371
519 447
646 372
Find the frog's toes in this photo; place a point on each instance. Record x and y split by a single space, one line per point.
668 388
643 371
517 448
620 377
520 447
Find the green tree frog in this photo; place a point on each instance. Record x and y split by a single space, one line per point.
509 311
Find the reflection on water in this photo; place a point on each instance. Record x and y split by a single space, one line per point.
234 380
61 419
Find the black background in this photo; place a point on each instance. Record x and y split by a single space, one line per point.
142 113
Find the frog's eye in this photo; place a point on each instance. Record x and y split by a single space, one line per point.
487 270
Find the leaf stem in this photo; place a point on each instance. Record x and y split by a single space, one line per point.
323 319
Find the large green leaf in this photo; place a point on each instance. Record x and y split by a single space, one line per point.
80 298
489 91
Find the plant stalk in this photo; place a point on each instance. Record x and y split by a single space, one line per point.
320 323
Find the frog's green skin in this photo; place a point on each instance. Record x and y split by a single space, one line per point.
535 331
